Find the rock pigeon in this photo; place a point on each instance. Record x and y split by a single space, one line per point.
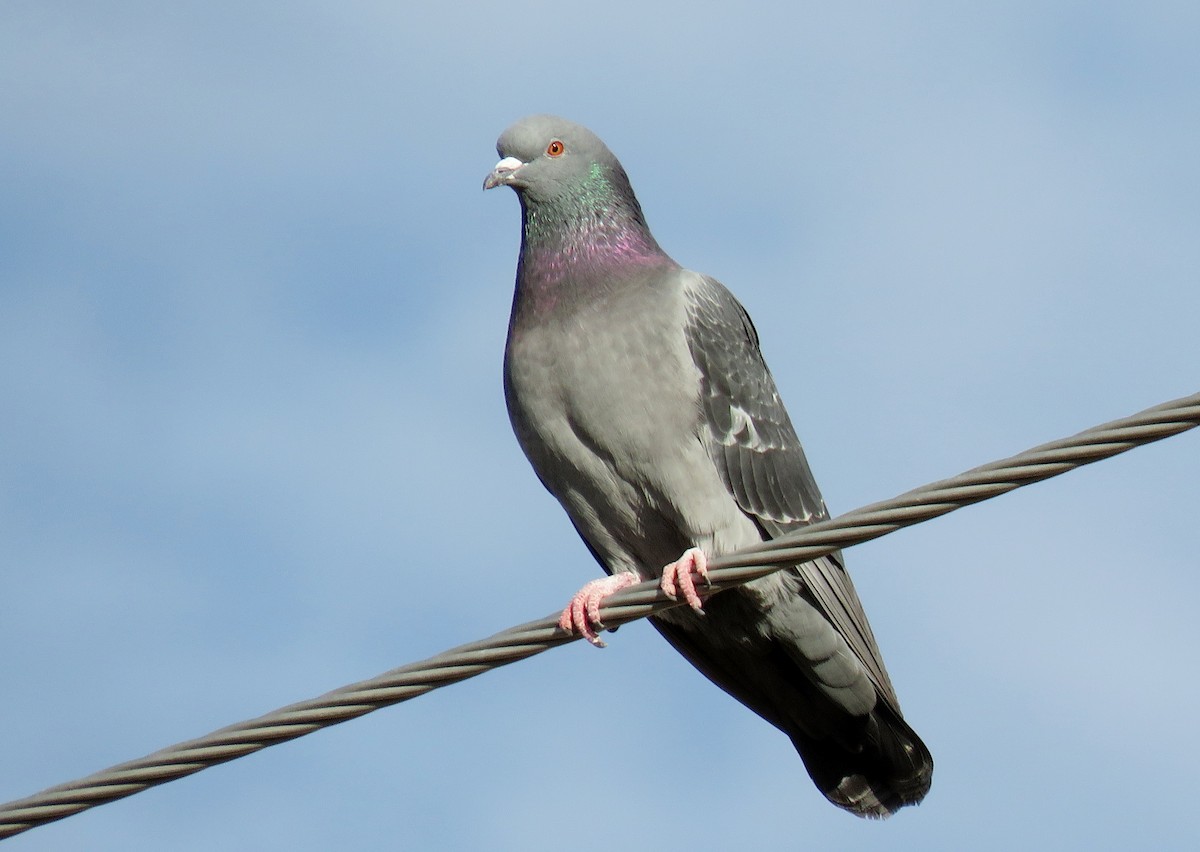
637 390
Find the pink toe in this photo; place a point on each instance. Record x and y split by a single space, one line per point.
582 614
679 578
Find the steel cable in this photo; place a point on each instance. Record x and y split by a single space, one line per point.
517 643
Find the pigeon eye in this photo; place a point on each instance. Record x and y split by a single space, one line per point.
555 148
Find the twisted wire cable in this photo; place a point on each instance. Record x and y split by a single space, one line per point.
517 643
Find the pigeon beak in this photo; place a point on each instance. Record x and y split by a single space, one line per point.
503 173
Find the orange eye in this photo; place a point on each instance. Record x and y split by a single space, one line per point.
555 148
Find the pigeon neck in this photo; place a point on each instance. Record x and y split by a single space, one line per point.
584 237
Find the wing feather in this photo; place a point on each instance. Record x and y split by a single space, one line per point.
754 446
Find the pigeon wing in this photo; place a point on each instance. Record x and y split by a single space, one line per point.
754 446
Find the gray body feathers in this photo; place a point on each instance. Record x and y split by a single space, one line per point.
638 391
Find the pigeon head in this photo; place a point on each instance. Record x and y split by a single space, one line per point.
546 158
580 218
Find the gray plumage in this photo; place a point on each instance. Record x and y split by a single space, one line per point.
639 394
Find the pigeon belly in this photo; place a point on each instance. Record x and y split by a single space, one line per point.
624 458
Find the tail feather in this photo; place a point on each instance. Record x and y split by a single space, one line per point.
891 769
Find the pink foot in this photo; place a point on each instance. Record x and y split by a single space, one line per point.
582 614
681 576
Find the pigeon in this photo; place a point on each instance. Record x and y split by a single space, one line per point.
638 392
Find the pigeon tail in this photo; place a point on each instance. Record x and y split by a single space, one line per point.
891 770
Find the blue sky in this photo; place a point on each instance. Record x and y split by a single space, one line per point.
253 443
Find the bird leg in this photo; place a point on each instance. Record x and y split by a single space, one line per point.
681 575
582 614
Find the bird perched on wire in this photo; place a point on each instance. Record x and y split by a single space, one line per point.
637 390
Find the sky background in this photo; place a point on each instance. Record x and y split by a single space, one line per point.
253 443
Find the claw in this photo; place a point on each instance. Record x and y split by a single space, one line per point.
680 576
582 614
